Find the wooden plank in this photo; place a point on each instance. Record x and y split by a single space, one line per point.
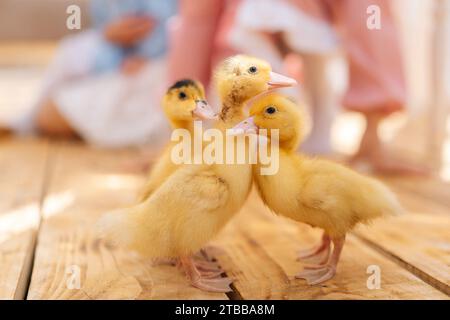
84 184
419 242
22 164
415 203
258 250
431 188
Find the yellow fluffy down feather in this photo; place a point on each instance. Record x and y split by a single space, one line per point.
318 192
324 194
196 201
178 104
184 213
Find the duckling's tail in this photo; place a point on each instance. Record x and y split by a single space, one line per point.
127 228
388 201
111 227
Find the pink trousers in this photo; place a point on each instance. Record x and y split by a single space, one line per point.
376 82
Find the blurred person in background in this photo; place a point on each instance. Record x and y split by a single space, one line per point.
205 31
105 84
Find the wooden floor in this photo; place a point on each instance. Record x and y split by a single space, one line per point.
51 194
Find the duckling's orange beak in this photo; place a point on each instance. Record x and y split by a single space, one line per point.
204 111
244 127
279 81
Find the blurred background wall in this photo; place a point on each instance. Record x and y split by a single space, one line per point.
37 19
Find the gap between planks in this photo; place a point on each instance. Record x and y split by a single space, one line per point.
439 285
258 249
66 237
25 276
24 162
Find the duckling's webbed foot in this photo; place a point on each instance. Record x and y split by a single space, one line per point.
321 273
208 269
213 285
204 262
211 274
208 266
317 255
317 276
204 280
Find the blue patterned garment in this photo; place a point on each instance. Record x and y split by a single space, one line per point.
109 56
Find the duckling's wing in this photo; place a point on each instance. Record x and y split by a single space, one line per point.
190 207
178 218
192 189
162 169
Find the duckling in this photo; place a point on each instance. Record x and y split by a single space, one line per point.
183 103
317 192
196 201
241 78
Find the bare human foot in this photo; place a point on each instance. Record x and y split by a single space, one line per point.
50 122
374 155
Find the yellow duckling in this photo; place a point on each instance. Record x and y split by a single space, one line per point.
196 201
241 78
183 103
320 193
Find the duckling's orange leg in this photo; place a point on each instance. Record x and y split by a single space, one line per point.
203 282
327 271
207 268
207 265
318 255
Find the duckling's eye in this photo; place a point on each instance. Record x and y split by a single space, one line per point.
271 110
182 95
252 69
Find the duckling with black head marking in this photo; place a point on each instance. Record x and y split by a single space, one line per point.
195 202
183 103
